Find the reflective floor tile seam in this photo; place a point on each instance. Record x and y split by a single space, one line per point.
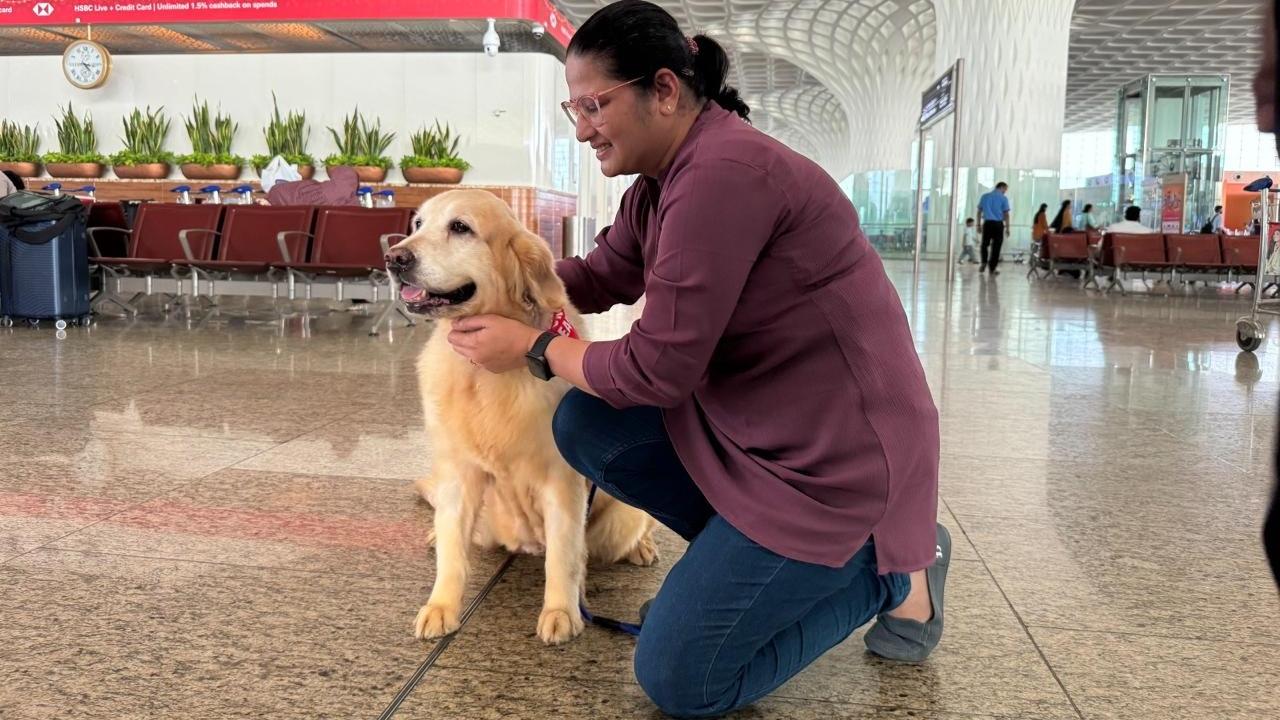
1021 621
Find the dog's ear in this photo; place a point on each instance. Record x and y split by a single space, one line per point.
538 284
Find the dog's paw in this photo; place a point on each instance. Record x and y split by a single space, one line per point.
645 553
435 621
425 486
556 626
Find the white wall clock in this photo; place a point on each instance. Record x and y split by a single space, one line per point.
86 64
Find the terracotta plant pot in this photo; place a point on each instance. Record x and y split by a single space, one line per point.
22 169
366 173
306 171
146 171
437 175
75 170
191 171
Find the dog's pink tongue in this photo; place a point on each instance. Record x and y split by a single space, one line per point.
409 293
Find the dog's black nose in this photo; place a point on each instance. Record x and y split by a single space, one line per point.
400 259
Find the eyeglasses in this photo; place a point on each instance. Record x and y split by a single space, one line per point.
588 106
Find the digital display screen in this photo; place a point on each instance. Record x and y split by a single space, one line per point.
939 99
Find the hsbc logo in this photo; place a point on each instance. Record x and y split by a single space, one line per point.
42 9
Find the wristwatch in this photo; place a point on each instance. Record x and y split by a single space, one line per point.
537 356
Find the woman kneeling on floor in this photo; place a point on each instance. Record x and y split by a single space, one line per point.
768 406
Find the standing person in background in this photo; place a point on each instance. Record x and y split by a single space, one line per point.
993 215
1215 224
1062 221
970 242
1265 91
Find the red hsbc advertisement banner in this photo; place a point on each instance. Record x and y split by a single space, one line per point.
154 12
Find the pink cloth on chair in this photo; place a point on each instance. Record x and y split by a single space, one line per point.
339 189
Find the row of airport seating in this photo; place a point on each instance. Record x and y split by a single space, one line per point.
200 246
1161 256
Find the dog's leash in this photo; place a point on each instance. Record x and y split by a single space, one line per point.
632 629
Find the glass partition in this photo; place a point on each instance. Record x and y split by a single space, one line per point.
884 200
1170 137
1130 143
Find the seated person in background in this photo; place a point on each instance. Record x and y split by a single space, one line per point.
1088 218
1130 223
1062 222
1040 224
11 183
339 189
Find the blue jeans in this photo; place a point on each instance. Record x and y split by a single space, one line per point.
733 621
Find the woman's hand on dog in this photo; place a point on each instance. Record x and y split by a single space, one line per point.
495 343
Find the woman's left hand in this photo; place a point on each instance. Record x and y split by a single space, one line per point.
495 343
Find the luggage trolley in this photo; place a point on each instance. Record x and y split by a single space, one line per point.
1249 331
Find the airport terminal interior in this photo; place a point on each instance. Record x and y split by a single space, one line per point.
208 504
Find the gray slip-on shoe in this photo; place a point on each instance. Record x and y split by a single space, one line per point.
911 641
644 610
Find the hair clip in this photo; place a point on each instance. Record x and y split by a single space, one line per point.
693 45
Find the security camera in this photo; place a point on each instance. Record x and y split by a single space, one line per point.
538 30
491 40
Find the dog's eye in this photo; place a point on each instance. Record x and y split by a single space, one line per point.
457 227
417 223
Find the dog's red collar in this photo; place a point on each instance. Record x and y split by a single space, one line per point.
560 325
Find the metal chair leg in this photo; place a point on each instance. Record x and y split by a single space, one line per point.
393 307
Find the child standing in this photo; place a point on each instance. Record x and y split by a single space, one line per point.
970 242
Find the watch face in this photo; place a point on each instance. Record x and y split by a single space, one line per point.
539 367
85 64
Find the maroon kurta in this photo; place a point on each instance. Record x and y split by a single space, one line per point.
776 346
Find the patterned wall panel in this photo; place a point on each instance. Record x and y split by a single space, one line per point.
860 55
1032 60
1015 78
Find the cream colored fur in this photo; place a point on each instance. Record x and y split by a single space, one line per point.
497 479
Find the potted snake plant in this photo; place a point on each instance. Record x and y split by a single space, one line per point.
144 156
287 137
435 157
78 155
211 137
361 146
19 149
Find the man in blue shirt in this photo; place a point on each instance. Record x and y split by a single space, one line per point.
993 215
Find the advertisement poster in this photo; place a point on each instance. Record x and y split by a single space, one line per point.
148 12
1173 192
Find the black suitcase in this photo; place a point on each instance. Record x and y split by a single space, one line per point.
44 259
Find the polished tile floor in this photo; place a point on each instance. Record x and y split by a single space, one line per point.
216 522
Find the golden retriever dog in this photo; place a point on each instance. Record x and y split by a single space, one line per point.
497 478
